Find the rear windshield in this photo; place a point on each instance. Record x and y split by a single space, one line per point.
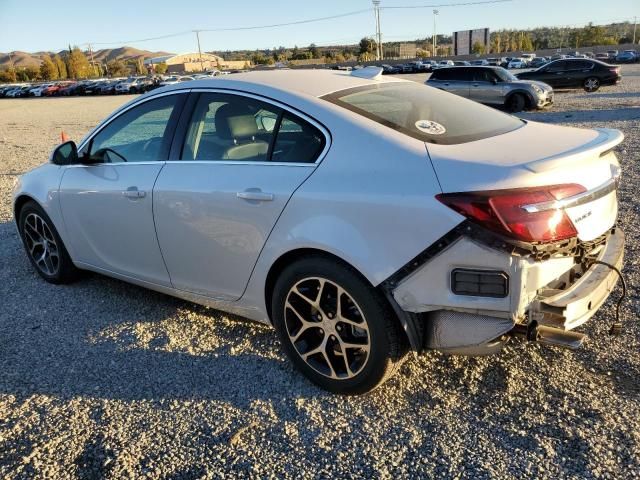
425 113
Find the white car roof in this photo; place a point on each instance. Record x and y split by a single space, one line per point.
307 82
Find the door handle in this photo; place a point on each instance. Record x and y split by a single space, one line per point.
133 192
255 196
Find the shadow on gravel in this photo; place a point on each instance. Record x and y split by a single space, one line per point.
53 342
589 96
584 116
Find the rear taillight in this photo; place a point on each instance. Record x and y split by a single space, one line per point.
503 211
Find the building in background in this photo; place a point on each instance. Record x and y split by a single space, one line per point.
400 51
464 40
194 62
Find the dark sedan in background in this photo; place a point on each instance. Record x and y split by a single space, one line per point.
575 73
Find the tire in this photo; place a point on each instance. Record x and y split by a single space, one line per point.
591 84
51 262
516 103
364 326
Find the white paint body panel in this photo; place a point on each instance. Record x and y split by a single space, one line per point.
370 201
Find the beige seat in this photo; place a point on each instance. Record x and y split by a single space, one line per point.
237 123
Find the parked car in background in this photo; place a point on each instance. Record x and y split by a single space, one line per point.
612 54
527 57
391 69
485 212
589 55
492 86
517 63
443 64
538 62
38 89
480 62
127 86
19 92
628 56
575 73
461 63
603 57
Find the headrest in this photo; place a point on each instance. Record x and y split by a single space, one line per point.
235 121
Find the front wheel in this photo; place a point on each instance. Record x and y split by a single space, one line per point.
335 327
516 103
44 246
591 84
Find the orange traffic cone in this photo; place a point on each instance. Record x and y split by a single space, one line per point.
64 137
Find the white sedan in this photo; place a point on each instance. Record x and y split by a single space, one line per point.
362 216
517 63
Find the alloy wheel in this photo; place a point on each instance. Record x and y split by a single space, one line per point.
327 328
41 244
591 84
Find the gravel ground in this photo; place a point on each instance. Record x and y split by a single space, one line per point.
102 379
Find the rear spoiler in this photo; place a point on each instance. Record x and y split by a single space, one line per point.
606 140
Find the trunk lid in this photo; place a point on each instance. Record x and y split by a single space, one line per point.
537 155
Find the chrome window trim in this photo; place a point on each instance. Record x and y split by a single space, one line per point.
281 105
242 162
576 200
228 91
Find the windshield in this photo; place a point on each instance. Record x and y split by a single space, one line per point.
425 113
505 75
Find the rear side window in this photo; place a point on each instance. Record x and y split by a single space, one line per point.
237 128
482 75
425 113
579 64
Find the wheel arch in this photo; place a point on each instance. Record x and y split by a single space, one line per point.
19 202
408 321
529 101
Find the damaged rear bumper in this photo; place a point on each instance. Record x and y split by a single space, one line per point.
556 294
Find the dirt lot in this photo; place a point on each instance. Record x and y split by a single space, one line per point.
104 379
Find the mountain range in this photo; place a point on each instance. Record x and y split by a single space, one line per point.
25 59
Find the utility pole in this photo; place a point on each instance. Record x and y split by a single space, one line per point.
379 51
635 23
197 32
92 62
435 37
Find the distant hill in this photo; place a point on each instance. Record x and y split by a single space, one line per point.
24 59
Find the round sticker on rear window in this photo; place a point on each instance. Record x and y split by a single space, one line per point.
430 127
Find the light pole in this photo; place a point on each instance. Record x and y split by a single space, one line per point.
435 38
376 10
635 23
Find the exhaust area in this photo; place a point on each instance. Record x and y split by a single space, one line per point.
554 337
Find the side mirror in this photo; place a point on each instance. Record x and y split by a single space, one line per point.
65 154
494 81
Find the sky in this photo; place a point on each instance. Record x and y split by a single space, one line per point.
45 25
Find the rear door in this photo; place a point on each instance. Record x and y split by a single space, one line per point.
455 80
484 87
217 200
577 71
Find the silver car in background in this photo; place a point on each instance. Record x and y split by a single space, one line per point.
493 86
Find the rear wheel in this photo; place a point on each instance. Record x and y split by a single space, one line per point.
591 84
44 246
335 327
516 103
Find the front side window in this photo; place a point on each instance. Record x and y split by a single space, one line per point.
138 135
425 113
232 127
558 66
482 75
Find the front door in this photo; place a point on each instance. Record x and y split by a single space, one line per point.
214 208
108 202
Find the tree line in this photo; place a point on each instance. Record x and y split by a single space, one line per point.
74 64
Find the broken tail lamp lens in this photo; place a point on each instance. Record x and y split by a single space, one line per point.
503 212
479 283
